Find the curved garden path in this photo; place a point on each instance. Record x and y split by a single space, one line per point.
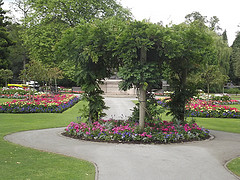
188 161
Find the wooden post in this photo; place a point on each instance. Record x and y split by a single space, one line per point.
142 98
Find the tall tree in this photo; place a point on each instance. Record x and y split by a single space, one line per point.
5 75
235 59
49 19
5 41
224 36
17 56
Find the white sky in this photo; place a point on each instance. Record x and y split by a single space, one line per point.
175 11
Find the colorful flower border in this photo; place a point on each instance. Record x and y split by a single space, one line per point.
44 103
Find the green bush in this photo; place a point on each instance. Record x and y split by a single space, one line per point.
232 91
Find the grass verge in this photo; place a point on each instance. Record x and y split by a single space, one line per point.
234 166
17 162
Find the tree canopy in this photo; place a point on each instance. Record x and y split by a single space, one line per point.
187 47
5 41
90 46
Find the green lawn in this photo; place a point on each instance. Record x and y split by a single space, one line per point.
17 162
234 166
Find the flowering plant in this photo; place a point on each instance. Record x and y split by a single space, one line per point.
202 108
128 131
44 103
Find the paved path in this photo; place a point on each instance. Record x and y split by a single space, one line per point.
120 108
189 161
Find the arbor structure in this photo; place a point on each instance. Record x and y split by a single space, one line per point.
140 50
90 46
187 47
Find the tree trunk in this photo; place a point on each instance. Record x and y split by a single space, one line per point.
142 98
208 90
183 90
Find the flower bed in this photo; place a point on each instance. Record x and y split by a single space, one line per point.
201 108
44 103
13 93
211 108
128 132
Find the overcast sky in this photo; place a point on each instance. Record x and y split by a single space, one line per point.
175 11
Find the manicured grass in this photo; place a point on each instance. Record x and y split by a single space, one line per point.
235 97
2 100
236 106
17 162
234 166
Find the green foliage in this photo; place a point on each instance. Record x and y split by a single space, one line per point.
235 59
209 75
5 41
49 19
187 47
153 111
35 71
5 75
232 91
91 47
17 52
220 98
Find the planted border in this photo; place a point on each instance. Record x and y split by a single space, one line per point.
128 132
45 103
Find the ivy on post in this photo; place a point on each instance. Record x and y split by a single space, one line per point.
140 50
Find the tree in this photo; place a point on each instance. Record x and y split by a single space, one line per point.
5 41
17 52
235 59
48 19
5 75
54 73
223 52
90 46
34 71
224 36
211 75
140 49
187 47
212 24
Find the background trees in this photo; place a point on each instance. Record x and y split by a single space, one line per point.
5 75
235 60
5 41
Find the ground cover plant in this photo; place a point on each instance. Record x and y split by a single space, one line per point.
129 132
27 163
44 103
